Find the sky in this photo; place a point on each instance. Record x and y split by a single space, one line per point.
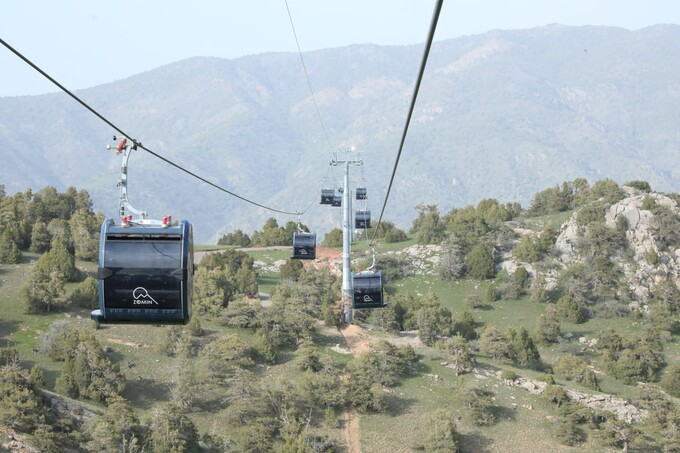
84 43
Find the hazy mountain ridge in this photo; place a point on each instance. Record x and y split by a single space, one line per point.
503 115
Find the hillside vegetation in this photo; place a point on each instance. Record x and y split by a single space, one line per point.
550 328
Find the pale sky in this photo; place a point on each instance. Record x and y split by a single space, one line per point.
84 43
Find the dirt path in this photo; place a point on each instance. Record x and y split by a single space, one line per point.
357 341
350 428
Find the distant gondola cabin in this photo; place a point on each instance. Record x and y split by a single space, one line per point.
361 193
337 201
327 196
368 290
363 219
145 273
304 246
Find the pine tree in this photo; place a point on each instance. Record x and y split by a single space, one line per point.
548 326
118 429
85 227
480 263
442 434
525 351
172 431
20 406
9 250
458 354
40 238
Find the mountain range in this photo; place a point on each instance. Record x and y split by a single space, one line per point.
502 114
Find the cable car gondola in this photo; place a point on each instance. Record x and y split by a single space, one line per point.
363 219
327 196
361 193
145 272
368 290
337 201
304 246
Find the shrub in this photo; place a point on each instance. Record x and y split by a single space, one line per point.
590 213
333 238
527 250
291 270
649 203
9 250
666 227
524 350
458 353
568 433
480 406
652 257
548 326
607 190
569 309
576 369
433 321
86 294
671 380
642 186
473 300
428 227
495 344
87 371
480 263
442 433
237 238
547 378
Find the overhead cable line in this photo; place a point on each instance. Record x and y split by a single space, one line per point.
311 91
428 45
309 83
135 142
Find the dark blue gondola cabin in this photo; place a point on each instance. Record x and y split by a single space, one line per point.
368 290
363 220
361 193
145 274
337 201
327 196
304 246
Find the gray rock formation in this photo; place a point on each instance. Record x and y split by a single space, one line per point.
642 276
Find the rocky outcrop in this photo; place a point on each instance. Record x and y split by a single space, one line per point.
622 409
422 259
641 274
565 244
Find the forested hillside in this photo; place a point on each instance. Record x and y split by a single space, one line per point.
552 327
503 115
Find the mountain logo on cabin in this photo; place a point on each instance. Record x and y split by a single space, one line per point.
367 298
141 296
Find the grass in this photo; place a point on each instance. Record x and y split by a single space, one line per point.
554 221
452 295
361 245
524 421
17 328
211 247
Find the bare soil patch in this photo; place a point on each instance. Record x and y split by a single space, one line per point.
327 258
